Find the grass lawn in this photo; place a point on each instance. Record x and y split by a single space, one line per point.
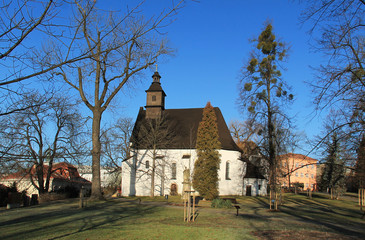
299 218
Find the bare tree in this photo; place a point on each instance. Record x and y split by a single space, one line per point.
47 131
116 147
244 132
21 21
116 143
121 48
153 137
341 81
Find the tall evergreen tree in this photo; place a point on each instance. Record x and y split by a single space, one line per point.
205 176
333 174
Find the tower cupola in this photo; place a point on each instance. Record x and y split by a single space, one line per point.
155 102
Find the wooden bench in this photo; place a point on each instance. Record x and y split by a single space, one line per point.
233 200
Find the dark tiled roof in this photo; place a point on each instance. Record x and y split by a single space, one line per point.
253 171
186 122
156 87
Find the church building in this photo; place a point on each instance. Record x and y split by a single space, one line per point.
163 147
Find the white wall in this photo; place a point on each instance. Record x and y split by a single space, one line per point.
139 183
258 186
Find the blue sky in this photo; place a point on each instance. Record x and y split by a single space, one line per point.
211 38
212 43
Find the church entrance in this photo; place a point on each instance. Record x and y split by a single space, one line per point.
173 189
248 190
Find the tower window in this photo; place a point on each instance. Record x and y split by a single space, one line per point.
153 98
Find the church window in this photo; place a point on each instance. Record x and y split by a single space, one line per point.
227 171
147 164
153 98
173 171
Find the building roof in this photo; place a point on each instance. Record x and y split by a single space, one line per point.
253 171
60 170
185 123
155 87
297 156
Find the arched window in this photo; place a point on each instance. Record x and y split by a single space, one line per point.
227 171
173 171
153 98
147 164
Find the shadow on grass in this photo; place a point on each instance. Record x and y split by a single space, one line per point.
94 216
320 218
339 217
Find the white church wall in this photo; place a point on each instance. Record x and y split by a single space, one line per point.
231 184
139 182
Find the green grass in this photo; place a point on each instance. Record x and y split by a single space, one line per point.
126 219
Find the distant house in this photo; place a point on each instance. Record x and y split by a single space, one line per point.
298 168
63 174
179 153
106 175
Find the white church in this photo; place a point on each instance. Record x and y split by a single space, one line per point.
167 163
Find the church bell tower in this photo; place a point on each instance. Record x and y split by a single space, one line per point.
155 98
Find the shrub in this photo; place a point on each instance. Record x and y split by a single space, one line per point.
4 193
221 203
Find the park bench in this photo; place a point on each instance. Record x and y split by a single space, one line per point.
234 202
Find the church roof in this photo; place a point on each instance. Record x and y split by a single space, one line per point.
155 87
185 123
253 171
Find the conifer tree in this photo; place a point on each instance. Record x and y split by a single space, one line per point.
205 176
333 174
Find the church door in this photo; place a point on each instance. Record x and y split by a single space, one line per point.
173 189
248 190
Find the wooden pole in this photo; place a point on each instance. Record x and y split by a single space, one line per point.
359 196
193 206
270 198
276 200
189 207
185 210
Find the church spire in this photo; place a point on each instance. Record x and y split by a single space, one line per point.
155 103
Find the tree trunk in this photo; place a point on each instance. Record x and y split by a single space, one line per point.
153 176
272 155
154 155
163 180
95 152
